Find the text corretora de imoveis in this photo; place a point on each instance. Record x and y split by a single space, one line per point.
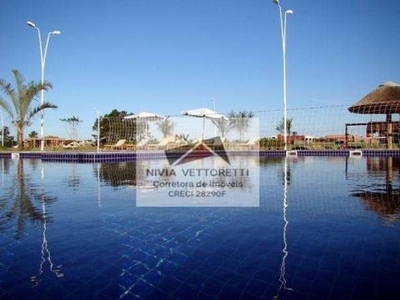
193 172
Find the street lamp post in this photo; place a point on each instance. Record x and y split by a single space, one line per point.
42 64
2 129
215 129
98 130
283 35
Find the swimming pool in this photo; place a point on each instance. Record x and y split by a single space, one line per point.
325 228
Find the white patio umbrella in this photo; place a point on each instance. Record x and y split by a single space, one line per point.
204 113
144 117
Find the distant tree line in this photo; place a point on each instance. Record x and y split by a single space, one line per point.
8 139
20 103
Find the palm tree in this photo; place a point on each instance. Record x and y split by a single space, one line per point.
23 208
240 121
280 127
222 125
166 127
72 125
20 106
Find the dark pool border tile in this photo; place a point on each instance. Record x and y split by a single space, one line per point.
102 157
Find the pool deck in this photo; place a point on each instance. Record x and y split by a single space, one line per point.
116 156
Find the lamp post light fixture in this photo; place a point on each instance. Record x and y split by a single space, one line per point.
43 55
213 101
283 36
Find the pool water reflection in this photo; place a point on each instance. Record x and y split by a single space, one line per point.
326 227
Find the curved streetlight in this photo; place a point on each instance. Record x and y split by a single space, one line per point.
42 64
283 36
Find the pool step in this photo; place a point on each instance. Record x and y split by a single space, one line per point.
15 155
291 153
355 153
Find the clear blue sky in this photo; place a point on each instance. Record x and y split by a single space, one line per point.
166 56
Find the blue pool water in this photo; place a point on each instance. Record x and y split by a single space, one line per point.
327 228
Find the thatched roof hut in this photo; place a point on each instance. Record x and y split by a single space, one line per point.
383 100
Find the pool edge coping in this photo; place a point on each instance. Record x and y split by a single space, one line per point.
117 156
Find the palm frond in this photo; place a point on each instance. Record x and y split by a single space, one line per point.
7 89
6 107
19 80
35 111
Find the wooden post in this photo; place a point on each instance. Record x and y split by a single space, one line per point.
389 175
389 131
